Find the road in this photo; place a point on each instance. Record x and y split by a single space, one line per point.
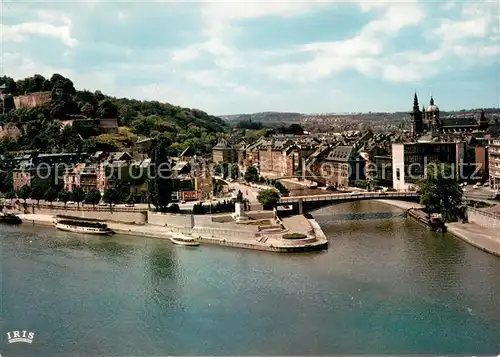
249 193
480 193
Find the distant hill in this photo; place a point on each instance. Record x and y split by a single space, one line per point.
264 117
271 117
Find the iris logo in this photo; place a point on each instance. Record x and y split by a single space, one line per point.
20 336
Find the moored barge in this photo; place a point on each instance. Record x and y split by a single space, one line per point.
82 225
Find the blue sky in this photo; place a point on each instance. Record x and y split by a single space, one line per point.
240 57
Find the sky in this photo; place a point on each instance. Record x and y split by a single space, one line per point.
243 57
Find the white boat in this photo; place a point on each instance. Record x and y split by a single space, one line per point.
80 225
182 239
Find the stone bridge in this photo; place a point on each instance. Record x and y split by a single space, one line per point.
307 203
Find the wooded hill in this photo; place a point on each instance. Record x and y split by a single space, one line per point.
40 126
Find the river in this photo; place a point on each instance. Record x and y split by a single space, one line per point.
385 286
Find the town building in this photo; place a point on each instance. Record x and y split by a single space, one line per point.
275 159
382 168
108 125
49 168
494 163
409 161
32 100
223 152
86 125
9 131
339 166
203 183
482 164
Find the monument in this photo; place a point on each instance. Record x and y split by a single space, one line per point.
239 209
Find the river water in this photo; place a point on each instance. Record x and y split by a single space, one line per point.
385 286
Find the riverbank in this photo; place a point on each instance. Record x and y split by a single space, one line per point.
486 239
246 237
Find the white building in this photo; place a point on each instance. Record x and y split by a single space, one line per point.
409 160
494 163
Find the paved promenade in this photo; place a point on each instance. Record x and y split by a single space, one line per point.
478 236
481 237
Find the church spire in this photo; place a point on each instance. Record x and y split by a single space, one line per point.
415 103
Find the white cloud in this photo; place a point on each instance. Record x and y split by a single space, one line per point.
207 78
218 80
220 16
52 24
449 5
360 52
454 31
478 20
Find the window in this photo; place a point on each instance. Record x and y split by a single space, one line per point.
398 174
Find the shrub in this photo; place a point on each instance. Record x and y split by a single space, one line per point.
294 236
174 208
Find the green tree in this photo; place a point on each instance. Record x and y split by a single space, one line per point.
37 191
93 196
24 193
111 196
64 196
50 195
77 194
268 198
107 110
162 173
441 192
10 194
252 174
87 110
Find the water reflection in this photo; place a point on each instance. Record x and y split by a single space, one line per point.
162 287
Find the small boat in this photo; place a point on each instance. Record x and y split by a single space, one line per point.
187 240
82 225
10 218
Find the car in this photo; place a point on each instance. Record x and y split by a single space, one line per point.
70 203
475 187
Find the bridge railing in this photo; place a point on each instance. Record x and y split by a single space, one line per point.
348 196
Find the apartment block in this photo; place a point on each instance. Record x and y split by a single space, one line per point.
494 163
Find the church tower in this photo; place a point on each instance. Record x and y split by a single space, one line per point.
417 124
431 115
483 121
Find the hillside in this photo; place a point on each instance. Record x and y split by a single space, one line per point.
38 106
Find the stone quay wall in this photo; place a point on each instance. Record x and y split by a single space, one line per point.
203 225
128 217
483 218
